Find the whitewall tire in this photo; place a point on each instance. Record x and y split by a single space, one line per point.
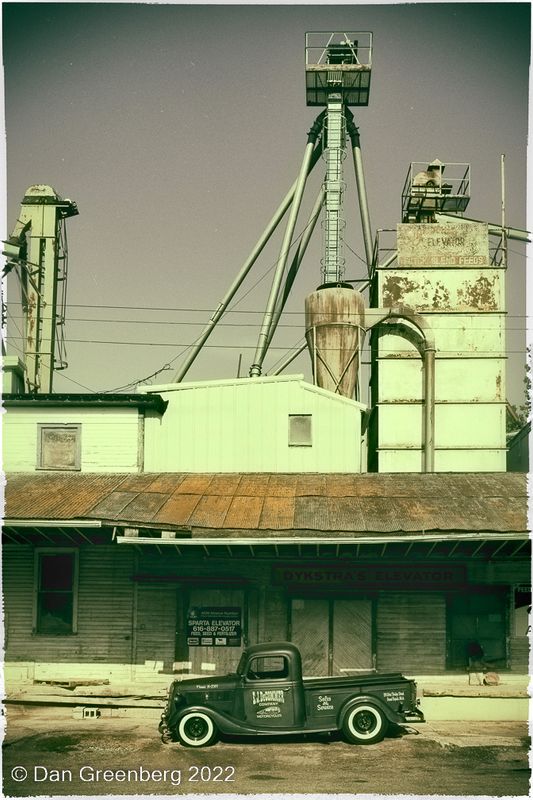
364 724
196 730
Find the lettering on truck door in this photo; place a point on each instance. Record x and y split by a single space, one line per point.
268 694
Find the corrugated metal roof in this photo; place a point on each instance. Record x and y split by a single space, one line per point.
357 503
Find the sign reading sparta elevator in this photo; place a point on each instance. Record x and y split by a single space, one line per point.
461 244
214 627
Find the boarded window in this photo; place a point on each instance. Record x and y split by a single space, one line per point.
56 592
300 430
59 447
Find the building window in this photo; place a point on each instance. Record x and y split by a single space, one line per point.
478 620
56 574
59 447
300 430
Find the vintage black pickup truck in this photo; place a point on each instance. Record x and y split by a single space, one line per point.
268 696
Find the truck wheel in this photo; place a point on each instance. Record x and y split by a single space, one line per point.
196 730
364 724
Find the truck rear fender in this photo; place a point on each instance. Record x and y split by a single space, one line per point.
364 699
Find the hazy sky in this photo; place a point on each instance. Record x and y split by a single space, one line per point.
178 129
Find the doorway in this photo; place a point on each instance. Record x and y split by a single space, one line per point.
334 635
481 617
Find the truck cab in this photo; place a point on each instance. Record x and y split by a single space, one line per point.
272 688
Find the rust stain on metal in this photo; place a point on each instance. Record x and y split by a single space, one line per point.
166 483
178 509
371 502
144 507
112 505
136 483
210 512
395 288
224 484
254 485
282 485
479 295
311 485
277 513
244 512
311 513
195 484
345 514
441 297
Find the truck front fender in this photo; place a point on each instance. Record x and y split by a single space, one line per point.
367 699
223 722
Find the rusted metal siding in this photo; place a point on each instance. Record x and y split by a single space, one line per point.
465 291
333 324
443 274
457 244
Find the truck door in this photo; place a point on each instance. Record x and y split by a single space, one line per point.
269 693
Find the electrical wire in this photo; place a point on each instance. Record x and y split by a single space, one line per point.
66 377
478 353
220 324
240 311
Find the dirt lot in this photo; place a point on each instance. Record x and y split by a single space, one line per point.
47 752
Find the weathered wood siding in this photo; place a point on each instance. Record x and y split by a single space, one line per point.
109 437
163 600
411 632
156 628
105 606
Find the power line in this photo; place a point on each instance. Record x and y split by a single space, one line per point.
477 353
220 324
248 311
66 377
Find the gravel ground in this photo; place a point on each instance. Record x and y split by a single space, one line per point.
47 752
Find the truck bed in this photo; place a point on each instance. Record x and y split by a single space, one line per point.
362 678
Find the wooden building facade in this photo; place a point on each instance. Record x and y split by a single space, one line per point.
134 577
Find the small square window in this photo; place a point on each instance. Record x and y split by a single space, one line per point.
300 430
59 447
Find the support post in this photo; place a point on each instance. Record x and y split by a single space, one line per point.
255 369
295 265
243 272
290 359
429 409
353 132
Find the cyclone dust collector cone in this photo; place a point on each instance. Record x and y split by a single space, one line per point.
334 317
